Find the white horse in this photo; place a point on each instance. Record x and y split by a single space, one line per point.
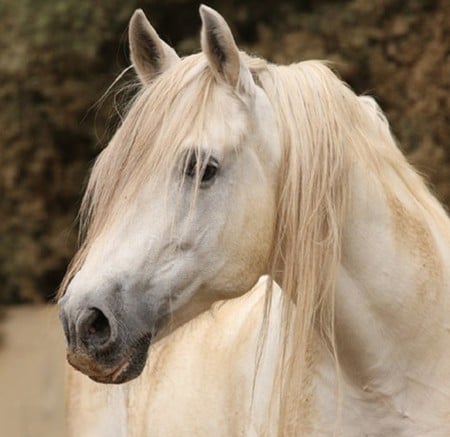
225 168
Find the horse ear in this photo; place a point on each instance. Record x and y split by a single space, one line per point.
150 55
219 47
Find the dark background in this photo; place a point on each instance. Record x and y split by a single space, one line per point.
58 57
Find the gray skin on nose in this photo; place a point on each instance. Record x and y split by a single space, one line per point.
103 341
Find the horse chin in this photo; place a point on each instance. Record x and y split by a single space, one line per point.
128 368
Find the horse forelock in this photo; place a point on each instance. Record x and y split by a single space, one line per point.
151 140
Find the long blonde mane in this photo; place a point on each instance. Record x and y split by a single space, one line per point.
312 109
324 128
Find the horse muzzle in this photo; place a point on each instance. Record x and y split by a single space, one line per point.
100 346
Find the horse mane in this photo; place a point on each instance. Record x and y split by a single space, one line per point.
312 109
325 128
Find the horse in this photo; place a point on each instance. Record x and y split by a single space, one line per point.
225 168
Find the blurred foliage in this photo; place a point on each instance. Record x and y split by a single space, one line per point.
57 57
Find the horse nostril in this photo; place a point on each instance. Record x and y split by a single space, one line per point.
94 328
100 324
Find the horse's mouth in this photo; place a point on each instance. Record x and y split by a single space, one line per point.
127 369
114 376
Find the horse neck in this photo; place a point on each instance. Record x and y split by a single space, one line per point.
392 290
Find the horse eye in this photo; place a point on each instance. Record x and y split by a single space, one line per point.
209 172
206 172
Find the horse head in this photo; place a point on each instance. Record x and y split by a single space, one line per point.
179 211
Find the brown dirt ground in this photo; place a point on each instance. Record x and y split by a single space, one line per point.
32 373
